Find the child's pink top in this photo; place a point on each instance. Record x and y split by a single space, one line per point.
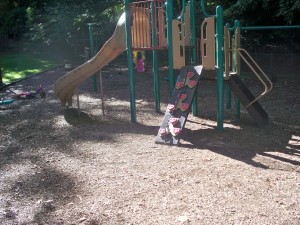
140 66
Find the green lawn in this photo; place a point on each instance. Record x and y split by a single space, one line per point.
16 66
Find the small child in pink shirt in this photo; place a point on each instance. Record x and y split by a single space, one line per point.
140 65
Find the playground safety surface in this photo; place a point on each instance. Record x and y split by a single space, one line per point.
60 168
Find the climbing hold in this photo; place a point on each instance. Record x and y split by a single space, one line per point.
174 120
179 84
175 131
182 96
184 106
162 132
171 107
192 83
190 74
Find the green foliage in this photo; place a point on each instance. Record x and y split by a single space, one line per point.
62 24
12 18
265 12
289 10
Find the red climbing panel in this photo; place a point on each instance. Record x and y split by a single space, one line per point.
179 106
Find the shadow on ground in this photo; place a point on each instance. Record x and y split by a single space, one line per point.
248 143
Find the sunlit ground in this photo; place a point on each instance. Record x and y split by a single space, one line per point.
21 65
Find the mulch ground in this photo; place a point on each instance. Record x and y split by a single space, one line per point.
59 166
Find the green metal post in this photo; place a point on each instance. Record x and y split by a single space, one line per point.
228 89
94 77
194 53
193 31
91 38
183 10
237 105
220 65
130 63
155 61
203 6
170 45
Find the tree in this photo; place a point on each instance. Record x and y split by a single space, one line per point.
64 23
12 19
265 12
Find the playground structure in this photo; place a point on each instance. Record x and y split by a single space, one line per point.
149 25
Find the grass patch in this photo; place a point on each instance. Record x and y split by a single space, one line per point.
16 66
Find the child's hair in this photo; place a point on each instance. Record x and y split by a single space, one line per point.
139 55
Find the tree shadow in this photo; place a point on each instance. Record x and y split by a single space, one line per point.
48 183
76 117
31 182
248 143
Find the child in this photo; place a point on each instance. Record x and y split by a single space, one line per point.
140 66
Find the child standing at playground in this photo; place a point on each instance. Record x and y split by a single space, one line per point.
140 65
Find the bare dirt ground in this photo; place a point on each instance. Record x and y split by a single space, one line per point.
60 168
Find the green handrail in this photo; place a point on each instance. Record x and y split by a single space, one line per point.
94 78
228 89
170 45
155 61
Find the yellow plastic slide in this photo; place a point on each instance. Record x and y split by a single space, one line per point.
64 87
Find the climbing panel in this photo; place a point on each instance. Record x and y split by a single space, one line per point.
179 106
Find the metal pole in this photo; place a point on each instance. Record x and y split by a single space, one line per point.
183 12
101 92
78 102
220 65
194 52
236 67
155 62
94 78
228 89
130 63
91 38
170 45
